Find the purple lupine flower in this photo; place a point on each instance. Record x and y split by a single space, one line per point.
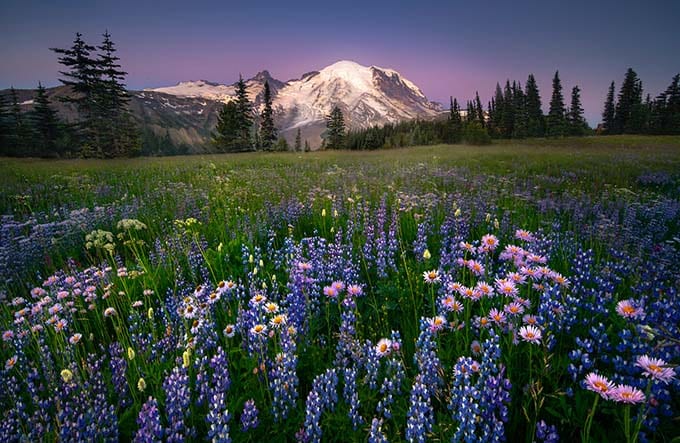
546 433
118 365
249 419
284 379
376 435
420 416
351 396
149 422
177 399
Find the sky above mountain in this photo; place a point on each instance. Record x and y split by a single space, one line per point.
446 47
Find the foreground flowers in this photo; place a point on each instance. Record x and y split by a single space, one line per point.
656 369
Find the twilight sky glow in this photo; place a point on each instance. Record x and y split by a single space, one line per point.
447 47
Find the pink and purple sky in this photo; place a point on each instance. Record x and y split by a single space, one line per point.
447 47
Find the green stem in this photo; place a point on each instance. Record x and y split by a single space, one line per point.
589 420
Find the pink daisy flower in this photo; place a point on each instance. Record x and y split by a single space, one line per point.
524 235
384 347
484 288
476 267
497 316
601 385
628 309
514 308
530 334
436 323
656 368
431 277
506 287
627 394
355 290
490 242
330 292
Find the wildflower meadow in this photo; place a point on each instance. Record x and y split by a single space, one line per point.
512 292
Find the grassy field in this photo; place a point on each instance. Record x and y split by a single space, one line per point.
443 292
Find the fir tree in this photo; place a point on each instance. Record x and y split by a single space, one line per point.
609 112
455 122
630 96
307 148
244 114
116 127
508 123
520 111
335 129
671 110
496 117
555 124
479 110
577 124
82 76
46 125
535 118
267 129
4 125
281 145
19 134
227 134
298 141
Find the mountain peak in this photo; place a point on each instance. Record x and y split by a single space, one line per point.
263 75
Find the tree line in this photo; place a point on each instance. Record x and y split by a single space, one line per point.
515 112
629 114
104 126
241 129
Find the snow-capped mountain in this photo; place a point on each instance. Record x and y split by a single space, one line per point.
367 96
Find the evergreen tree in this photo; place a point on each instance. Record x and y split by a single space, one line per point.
82 76
556 122
671 110
508 123
577 123
267 129
609 112
115 125
298 141
520 111
46 125
307 148
227 134
496 115
535 118
4 125
19 134
335 129
281 145
479 110
630 96
244 114
455 122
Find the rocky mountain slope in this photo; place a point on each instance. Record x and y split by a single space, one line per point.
186 113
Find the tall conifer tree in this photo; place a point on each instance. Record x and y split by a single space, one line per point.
82 76
268 131
335 129
116 125
46 125
609 112
630 96
535 117
298 141
556 122
577 123
244 113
